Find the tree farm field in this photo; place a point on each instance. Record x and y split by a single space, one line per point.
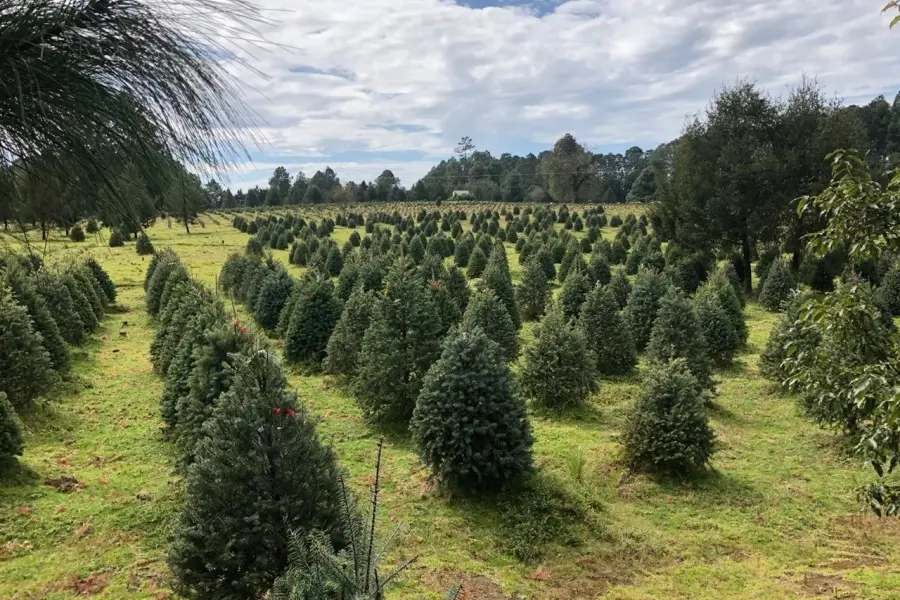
775 517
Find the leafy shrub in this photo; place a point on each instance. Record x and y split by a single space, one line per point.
558 370
469 426
76 234
778 286
231 538
26 371
116 239
643 304
11 441
677 334
606 333
143 245
668 431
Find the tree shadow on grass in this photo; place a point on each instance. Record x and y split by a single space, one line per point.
15 474
712 487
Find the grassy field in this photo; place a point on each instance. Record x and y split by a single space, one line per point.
775 518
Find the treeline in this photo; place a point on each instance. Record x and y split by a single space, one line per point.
42 313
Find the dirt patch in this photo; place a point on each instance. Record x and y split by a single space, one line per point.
474 587
856 562
65 484
90 585
816 584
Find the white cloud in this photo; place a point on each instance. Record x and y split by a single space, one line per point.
407 76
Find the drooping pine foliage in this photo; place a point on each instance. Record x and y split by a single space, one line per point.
469 426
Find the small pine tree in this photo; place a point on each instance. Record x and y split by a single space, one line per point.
477 263
643 304
143 245
545 257
558 370
91 290
399 346
342 351
313 319
92 226
273 295
620 288
787 330
534 291
668 431
11 440
719 286
24 291
61 306
158 273
81 303
469 426
496 277
76 234
486 313
598 270
718 330
116 239
416 250
103 278
172 324
606 334
677 334
778 287
574 292
457 287
26 370
261 473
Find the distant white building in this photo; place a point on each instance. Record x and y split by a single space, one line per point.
461 194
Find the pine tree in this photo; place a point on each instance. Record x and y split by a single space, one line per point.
469 426
61 306
572 251
720 287
778 287
606 334
158 275
143 245
261 473
273 295
643 304
534 291
116 239
558 370
81 303
103 279
486 312
717 327
312 322
677 334
399 346
457 287
11 440
342 351
416 250
24 291
26 371
496 277
186 300
889 290
574 292
545 257
787 330
620 288
477 263
155 261
91 291
668 431
598 270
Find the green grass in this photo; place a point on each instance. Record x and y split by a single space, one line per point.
776 518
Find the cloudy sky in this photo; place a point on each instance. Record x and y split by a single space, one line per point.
364 85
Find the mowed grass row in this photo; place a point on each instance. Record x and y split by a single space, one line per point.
776 518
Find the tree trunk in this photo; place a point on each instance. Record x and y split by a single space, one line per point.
43 230
748 263
185 218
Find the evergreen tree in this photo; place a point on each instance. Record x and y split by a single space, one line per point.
399 346
534 291
778 286
273 294
558 370
61 306
116 239
261 473
155 261
416 250
81 303
102 277
312 322
158 273
26 371
469 426
720 287
668 431
717 327
11 441
457 287
620 288
477 263
496 277
574 292
643 304
186 300
24 291
606 334
889 290
677 334
143 245
462 253
342 351
598 270
87 285
787 330
486 313
545 257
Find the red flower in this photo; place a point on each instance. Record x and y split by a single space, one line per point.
276 411
291 413
235 323
436 285
244 330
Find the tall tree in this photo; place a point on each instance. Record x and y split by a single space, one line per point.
281 183
567 170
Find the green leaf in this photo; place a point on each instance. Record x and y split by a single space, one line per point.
894 21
